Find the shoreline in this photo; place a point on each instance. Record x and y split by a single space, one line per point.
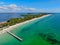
19 24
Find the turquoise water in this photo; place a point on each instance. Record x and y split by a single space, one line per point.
29 32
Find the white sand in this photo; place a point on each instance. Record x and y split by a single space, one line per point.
19 24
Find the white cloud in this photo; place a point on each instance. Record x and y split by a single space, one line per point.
30 9
12 5
15 8
10 8
3 7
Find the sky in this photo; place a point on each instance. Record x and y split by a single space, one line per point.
29 5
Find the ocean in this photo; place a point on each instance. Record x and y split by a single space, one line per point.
6 16
30 32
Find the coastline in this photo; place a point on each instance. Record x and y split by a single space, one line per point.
19 24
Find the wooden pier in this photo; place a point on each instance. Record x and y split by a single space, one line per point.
18 38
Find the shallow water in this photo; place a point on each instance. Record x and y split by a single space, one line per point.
29 32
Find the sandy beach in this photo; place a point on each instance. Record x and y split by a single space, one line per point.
19 24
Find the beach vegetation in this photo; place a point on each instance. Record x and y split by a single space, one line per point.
24 17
